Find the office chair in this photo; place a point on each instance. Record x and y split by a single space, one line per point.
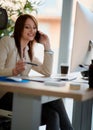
4 115
3 18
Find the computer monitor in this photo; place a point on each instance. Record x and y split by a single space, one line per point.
82 39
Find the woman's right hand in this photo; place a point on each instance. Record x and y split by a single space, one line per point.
19 68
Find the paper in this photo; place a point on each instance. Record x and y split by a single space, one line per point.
36 78
67 77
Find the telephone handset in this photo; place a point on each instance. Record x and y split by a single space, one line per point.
37 37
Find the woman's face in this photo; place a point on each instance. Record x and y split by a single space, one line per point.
29 30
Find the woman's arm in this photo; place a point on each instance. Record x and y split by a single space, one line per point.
4 51
9 65
44 68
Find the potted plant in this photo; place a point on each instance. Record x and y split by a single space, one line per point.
15 8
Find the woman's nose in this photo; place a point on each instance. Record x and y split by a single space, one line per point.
31 30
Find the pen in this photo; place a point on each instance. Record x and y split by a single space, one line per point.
30 63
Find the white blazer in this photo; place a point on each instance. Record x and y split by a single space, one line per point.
9 56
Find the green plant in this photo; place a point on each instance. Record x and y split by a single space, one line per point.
15 8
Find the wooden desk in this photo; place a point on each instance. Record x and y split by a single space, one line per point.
27 102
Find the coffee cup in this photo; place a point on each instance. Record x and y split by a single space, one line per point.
64 68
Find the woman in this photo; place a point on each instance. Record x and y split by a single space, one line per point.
15 52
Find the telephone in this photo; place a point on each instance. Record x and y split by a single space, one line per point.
37 37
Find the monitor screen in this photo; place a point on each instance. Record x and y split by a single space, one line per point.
83 34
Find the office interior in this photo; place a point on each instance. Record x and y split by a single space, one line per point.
62 51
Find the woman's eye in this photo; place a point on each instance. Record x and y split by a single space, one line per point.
27 27
34 28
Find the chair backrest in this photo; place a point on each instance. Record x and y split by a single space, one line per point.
3 18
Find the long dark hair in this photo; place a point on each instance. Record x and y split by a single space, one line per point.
18 29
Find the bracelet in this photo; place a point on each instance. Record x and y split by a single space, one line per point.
49 51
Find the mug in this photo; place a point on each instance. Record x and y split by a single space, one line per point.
64 68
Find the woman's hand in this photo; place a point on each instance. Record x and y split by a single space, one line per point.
20 67
44 39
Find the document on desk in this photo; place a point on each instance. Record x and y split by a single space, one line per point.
61 80
67 77
47 80
36 78
52 80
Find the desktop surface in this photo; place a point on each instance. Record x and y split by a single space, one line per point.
27 97
40 89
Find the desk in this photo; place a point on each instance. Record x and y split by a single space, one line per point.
27 103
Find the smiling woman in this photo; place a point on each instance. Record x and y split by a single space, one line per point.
15 51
